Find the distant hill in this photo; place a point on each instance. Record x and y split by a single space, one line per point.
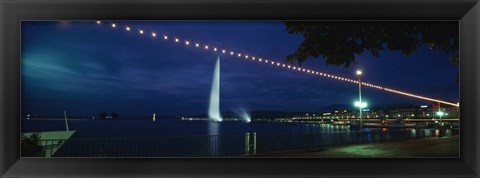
332 107
256 114
283 114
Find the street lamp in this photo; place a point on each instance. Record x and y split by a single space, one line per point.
440 114
360 105
359 74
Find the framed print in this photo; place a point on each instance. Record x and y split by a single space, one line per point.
293 89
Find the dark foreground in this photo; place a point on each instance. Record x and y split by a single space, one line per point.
422 147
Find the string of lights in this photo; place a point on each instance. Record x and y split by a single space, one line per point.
268 61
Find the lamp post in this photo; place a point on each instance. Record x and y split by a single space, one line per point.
359 74
361 105
440 113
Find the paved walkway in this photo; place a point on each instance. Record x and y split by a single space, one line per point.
414 148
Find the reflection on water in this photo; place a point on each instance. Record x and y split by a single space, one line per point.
316 128
170 127
214 128
213 139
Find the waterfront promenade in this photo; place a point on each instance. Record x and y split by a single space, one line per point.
413 148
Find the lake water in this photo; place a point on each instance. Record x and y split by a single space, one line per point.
170 127
177 138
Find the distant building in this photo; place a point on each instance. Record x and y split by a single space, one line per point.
372 114
430 111
407 112
410 112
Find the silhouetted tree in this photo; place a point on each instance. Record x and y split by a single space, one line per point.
103 115
339 42
31 145
114 115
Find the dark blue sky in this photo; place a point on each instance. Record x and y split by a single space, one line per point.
85 68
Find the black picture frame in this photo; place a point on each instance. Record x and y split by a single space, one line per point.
467 12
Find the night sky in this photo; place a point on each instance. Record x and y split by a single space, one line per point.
85 68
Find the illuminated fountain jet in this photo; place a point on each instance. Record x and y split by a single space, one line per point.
214 107
245 116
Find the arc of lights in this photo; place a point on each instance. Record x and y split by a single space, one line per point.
240 55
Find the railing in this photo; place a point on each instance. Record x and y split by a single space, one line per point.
172 146
50 147
216 145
